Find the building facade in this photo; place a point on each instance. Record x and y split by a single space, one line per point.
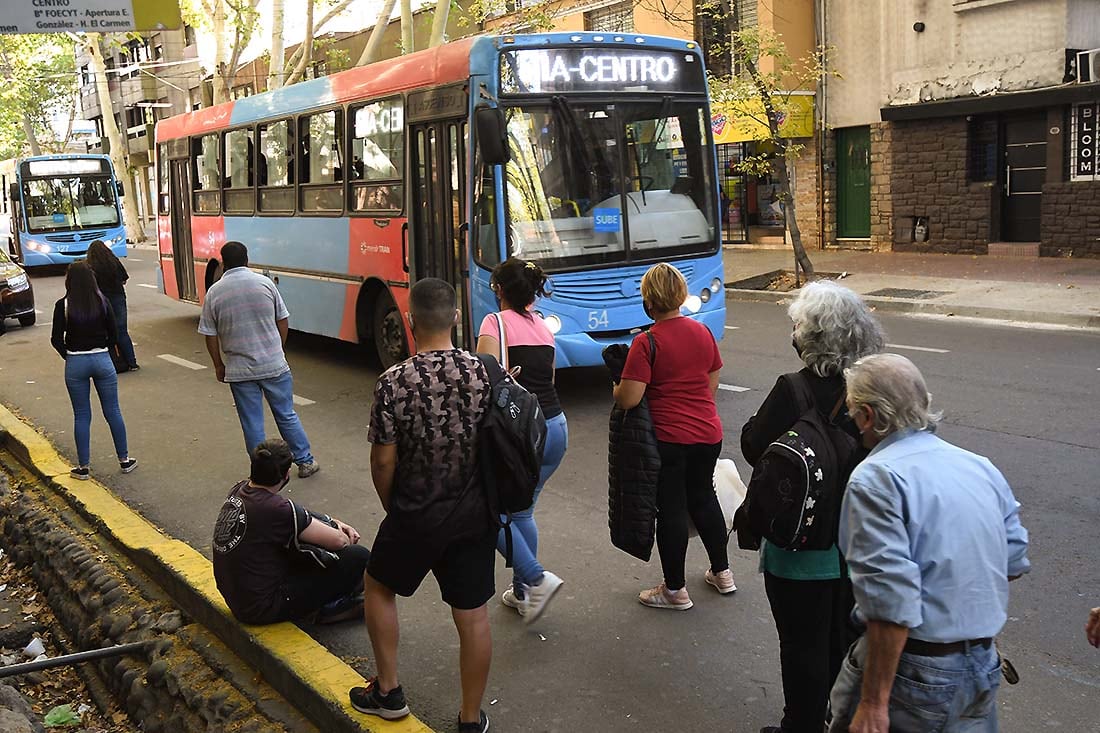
963 126
150 76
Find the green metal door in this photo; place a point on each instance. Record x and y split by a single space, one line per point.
853 182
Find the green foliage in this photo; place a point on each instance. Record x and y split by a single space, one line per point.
39 82
537 17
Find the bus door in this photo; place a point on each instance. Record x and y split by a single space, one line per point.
438 224
182 254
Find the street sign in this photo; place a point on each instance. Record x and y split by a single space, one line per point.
89 16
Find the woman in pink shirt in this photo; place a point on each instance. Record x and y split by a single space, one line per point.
530 346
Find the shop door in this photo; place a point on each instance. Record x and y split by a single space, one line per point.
183 257
853 182
438 232
1025 172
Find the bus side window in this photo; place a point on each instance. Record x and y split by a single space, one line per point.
377 134
206 166
275 167
238 173
321 167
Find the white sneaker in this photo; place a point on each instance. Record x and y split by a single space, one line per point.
722 582
508 598
538 596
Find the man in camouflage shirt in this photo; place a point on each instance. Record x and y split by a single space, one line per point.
423 432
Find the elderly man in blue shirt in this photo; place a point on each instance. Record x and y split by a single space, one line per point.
932 536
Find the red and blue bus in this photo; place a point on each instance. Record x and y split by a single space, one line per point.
591 154
57 205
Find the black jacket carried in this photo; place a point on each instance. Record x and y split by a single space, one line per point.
633 465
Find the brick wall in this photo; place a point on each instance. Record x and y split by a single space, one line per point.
882 203
1071 219
804 185
923 173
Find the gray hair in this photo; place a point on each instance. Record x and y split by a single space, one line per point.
833 327
894 388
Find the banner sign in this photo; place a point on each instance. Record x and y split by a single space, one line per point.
1084 143
90 16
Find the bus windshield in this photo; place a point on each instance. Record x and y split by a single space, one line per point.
591 183
69 202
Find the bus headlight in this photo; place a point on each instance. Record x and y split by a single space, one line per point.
704 295
117 240
36 246
716 285
692 304
553 323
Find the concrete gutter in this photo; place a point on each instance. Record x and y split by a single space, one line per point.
306 673
899 305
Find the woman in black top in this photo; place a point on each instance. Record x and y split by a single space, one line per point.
529 345
111 276
84 332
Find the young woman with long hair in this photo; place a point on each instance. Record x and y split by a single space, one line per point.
111 276
530 346
84 332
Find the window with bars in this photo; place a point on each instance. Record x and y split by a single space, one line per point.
617 18
713 31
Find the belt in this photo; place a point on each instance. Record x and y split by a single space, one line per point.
937 649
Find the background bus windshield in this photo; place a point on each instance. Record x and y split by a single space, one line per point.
71 202
594 183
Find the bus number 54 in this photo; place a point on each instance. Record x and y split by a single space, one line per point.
597 319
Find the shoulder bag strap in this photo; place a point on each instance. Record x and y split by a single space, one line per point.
503 342
652 352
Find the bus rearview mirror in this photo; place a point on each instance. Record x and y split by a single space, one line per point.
13 192
490 135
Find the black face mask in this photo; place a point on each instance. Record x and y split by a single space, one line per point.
645 307
797 348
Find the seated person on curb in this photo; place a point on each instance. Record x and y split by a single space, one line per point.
277 561
423 434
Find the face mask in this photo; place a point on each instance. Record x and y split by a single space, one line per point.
645 307
797 348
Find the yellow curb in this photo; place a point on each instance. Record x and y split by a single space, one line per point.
325 674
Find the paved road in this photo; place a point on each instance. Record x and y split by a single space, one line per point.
599 660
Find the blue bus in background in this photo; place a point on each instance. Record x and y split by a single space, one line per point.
57 205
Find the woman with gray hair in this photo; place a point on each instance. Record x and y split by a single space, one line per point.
809 592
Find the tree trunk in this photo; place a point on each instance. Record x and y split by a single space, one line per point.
439 23
407 40
28 131
135 232
221 54
374 44
304 54
780 168
275 72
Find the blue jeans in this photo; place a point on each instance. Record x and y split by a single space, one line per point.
956 693
526 569
81 370
125 345
279 392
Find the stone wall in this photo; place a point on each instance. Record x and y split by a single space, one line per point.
924 174
804 185
882 170
1071 219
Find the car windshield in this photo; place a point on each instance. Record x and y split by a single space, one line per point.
70 202
599 183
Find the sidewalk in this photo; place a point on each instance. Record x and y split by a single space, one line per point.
1047 290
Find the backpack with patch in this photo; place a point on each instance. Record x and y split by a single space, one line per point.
796 487
511 440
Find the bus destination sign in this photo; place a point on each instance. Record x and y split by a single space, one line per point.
540 71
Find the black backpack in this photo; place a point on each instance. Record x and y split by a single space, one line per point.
794 494
511 439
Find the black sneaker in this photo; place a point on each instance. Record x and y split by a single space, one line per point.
371 701
128 465
81 472
481 726
347 608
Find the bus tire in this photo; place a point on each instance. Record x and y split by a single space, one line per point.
388 331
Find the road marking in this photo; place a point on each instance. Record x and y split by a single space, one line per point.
172 359
147 285
303 401
732 328
134 259
38 311
919 348
733 388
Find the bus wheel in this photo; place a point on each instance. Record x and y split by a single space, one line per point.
389 332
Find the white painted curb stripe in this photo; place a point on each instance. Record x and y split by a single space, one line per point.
147 285
134 259
172 359
732 388
732 328
918 348
303 401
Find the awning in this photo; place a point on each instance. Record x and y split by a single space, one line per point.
744 122
1003 102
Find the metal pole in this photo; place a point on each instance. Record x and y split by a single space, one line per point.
75 658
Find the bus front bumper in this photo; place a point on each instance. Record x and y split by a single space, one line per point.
36 258
585 349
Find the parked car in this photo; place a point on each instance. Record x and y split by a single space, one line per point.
16 293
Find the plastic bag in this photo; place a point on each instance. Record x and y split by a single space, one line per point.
730 490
